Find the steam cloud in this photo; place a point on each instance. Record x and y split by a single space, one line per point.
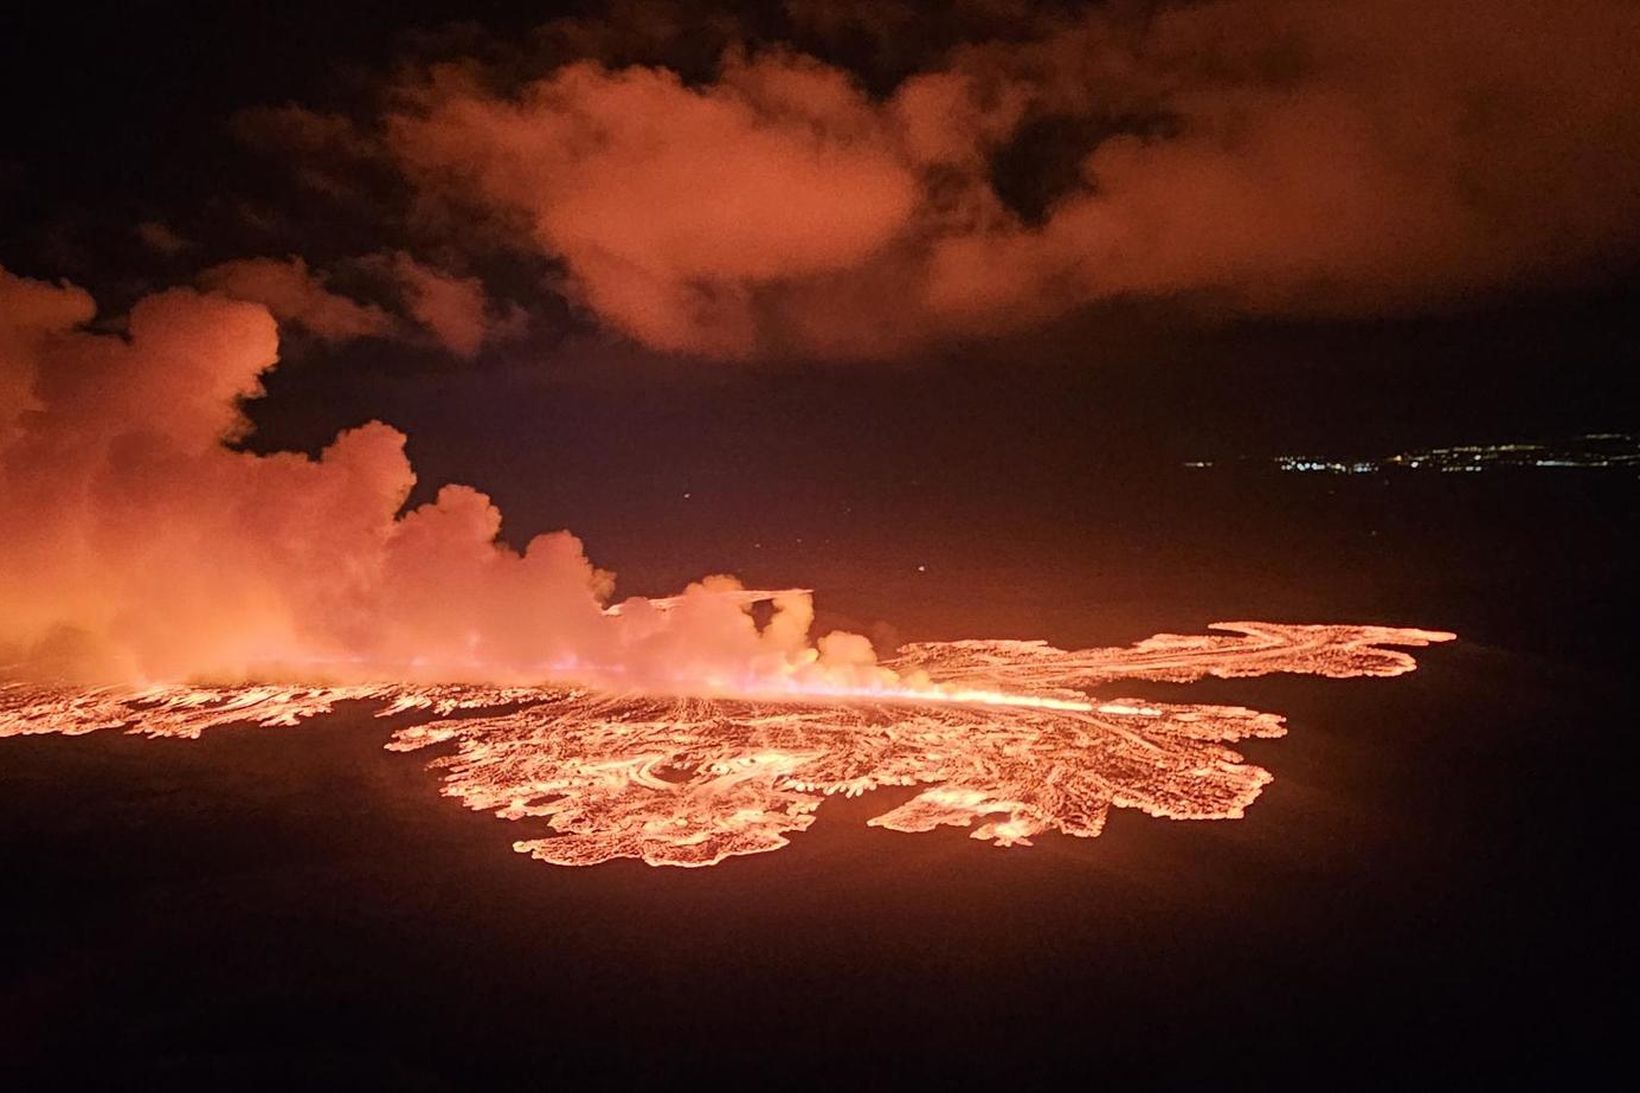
141 547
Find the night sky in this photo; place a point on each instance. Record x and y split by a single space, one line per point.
576 416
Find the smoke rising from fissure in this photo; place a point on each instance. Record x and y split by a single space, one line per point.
141 546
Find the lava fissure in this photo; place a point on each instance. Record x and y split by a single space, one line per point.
1003 735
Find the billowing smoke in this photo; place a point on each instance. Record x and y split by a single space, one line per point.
1267 156
141 546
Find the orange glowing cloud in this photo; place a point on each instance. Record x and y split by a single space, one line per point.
141 548
673 205
1276 156
454 310
295 294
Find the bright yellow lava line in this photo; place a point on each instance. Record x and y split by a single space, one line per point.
932 695
997 698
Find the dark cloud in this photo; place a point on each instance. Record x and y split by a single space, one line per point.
162 239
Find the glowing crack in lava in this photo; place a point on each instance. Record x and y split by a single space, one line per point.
1004 736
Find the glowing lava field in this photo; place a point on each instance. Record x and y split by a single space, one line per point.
1006 737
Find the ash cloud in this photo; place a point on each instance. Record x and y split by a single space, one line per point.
1257 156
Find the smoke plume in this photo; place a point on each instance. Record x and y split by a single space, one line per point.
142 546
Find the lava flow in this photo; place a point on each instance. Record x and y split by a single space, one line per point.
1003 736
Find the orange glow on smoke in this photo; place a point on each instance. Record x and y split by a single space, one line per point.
1003 736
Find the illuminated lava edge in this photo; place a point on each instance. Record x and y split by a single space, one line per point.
1006 737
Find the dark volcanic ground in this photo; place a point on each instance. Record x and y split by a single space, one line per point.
1427 891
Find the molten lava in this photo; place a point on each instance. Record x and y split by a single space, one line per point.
1003 736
